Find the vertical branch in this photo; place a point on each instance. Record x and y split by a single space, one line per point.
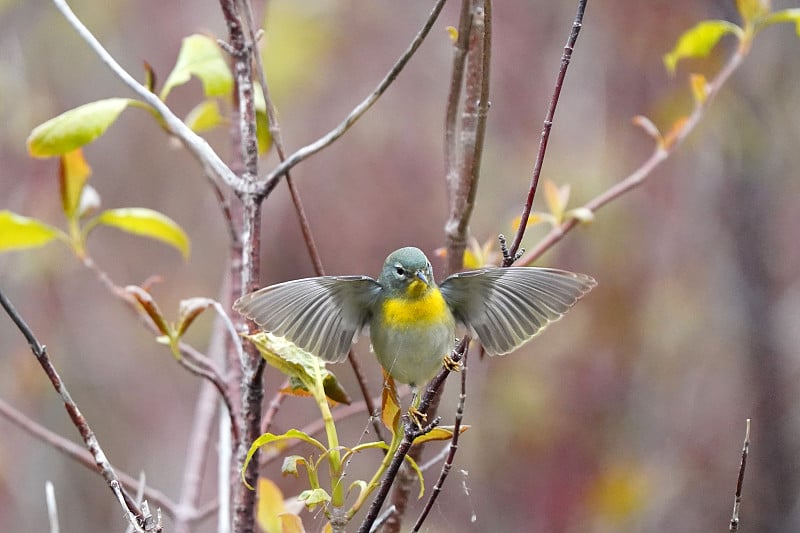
305 227
252 366
548 125
737 502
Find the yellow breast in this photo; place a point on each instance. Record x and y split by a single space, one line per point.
422 305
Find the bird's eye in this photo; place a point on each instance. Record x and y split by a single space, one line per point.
400 271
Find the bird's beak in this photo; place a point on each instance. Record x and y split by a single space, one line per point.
422 277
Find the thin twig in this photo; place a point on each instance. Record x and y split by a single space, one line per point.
79 454
737 502
448 464
52 508
213 166
545 137
661 152
102 465
307 151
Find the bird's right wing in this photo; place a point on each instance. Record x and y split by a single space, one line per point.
321 315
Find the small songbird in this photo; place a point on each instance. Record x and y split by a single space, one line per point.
411 320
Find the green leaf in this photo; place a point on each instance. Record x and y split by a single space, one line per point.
699 41
200 56
205 116
18 232
269 438
147 223
297 363
314 497
752 10
75 128
290 465
785 15
73 173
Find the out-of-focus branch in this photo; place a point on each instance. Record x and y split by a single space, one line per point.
545 137
307 151
101 463
662 151
465 130
737 502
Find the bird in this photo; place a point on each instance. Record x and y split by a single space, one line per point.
410 319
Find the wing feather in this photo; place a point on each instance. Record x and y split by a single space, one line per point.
322 315
506 307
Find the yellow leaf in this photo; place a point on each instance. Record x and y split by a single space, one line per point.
618 493
146 223
390 406
699 41
557 198
291 523
200 56
73 173
18 232
270 506
453 33
699 88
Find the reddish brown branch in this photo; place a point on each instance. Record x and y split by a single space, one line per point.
545 137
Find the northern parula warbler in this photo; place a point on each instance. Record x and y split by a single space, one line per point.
411 320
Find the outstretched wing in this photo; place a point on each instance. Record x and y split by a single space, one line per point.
506 307
321 315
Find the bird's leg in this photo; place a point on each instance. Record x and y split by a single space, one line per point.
414 414
450 364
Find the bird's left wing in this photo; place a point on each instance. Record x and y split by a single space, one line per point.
321 315
506 307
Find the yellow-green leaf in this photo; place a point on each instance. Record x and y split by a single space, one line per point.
314 497
204 116
200 56
752 10
297 363
269 438
556 198
270 506
147 223
18 232
73 173
75 128
699 41
785 15
439 433
263 135
291 463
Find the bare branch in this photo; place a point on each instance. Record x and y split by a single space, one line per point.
660 154
213 166
548 125
737 502
307 151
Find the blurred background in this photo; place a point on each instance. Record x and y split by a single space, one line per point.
628 415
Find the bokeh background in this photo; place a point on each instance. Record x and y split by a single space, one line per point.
628 415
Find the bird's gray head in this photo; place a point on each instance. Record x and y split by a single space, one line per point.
403 268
